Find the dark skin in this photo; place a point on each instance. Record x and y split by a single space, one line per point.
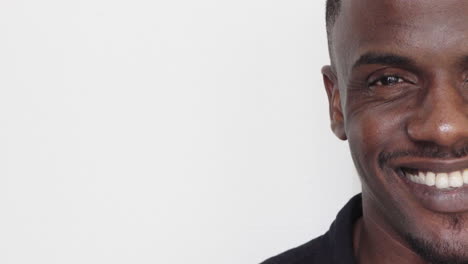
398 92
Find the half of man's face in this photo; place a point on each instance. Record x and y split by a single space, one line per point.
402 76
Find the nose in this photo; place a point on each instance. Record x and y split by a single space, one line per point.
441 119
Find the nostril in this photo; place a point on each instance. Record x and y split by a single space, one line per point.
415 129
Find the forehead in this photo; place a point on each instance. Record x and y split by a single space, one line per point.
414 28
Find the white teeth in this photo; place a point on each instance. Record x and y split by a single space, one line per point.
465 176
422 178
441 180
431 179
455 179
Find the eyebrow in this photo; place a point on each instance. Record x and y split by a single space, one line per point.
383 59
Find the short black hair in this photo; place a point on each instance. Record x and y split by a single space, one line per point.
332 11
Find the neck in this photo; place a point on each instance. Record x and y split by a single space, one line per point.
374 244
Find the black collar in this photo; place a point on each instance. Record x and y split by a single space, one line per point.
341 231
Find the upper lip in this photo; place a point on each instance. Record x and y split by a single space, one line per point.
430 164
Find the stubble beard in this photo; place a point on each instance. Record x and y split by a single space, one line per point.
447 251
451 250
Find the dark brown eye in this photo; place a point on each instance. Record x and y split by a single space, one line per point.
387 81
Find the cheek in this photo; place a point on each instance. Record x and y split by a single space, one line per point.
376 129
366 135
369 134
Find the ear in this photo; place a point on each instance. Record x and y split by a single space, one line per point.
336 111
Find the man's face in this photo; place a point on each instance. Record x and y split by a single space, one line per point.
402 90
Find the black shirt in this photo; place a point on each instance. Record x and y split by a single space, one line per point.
334 247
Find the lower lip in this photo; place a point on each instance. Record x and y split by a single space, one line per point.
450 200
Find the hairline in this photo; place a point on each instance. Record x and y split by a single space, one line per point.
333 8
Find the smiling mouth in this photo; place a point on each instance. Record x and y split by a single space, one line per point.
439 180
435 174
439 185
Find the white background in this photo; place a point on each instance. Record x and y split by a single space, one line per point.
165 131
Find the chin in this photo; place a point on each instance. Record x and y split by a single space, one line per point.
441 238
450 250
